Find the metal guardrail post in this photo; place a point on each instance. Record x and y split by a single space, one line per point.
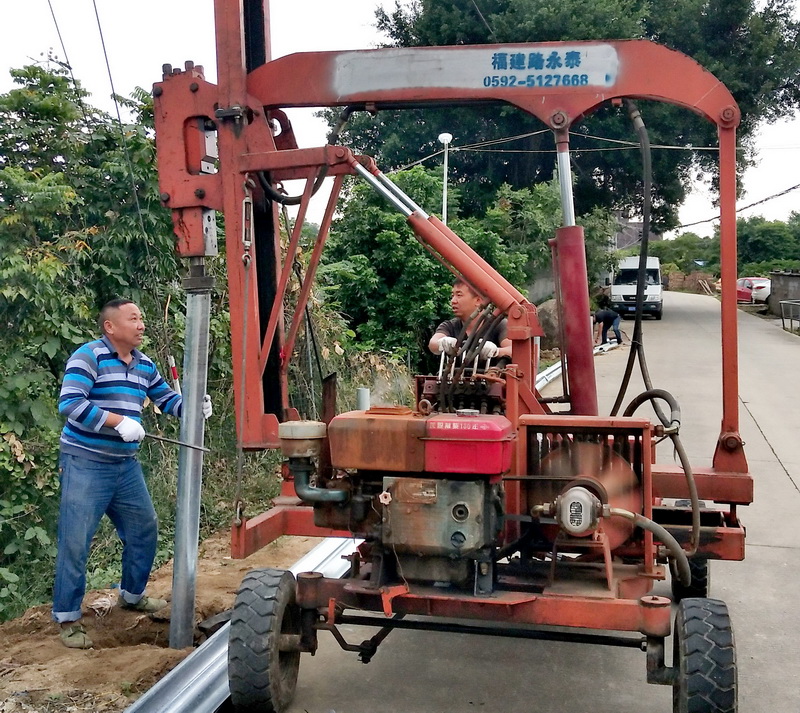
190 460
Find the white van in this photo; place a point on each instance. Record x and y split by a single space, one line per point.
623 287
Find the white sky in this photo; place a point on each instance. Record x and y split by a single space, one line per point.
142 35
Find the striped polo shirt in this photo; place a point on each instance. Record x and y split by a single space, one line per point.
96 382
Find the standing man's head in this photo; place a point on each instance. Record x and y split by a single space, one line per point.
464 300
121 321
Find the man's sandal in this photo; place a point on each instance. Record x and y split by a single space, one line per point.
75 637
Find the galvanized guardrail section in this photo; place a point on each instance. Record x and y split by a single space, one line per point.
199 684
790 314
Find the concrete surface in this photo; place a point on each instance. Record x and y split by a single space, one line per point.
416 672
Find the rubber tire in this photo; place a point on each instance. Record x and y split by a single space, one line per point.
262 678
704 656
700 586
659 314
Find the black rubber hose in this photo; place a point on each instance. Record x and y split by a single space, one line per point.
678 555
651 395
637 344
673 426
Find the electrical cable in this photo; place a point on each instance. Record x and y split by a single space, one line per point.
485 22
297 267
744 207
149 261
68 65
161 325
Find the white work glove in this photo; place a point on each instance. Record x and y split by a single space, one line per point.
206 407
129 429
489 350
448 345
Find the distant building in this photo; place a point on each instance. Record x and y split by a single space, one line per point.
629 233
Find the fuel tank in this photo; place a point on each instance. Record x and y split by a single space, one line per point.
397 439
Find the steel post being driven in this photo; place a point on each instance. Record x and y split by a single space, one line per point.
190 463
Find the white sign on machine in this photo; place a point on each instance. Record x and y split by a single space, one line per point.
527 66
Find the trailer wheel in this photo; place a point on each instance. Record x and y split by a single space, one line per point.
261 676
704 658
700 585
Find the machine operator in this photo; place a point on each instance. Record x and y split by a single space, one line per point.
466 303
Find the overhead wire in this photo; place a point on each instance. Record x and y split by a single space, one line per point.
68 66
745 207
625 145
484 20
126 152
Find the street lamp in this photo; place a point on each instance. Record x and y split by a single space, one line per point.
445 138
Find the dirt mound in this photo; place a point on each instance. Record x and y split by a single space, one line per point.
37 673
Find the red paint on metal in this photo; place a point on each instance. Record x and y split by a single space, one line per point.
247 145
512 607
467 444
646 70
726 458
570 253
255 533
669 481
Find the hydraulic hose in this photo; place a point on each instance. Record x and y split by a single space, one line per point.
637 345
678 554
672 431
652 395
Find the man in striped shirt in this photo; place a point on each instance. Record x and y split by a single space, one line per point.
102 396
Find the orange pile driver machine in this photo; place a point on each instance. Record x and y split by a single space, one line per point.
477 503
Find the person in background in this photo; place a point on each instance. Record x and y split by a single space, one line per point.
103 393
604 319
464 301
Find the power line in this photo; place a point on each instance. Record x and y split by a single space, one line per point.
121 130
744 207
126 152
483 19
470 147
68 63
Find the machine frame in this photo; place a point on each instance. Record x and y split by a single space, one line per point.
242 117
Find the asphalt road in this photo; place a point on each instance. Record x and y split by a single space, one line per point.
416 672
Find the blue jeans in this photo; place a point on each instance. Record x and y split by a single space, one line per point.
90 489
615 328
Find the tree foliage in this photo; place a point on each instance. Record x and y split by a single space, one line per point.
761 240
389 287
81 223
688 252
394 293
762 245
753 51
